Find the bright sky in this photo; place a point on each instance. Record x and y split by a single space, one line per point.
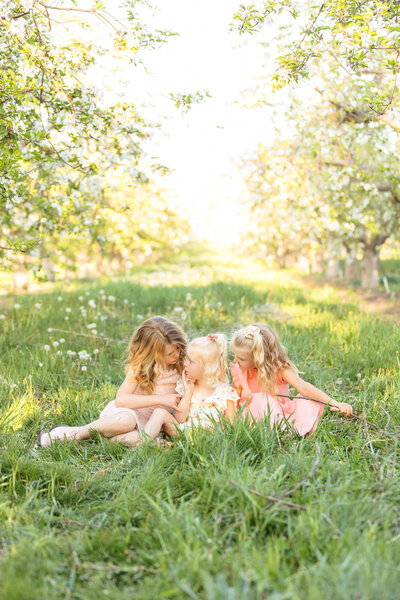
202 146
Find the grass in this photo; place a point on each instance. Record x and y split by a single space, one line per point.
97 520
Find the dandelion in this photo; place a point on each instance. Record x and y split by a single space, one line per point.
96 351
103 318
83 355
140 317
80 297
83 368
66 318
126 301
55 344
92 303
91 326
40 364
111 298
59 298
17 306
62 341
59 352
68 310
2 316
50 329
46 347
37 305
178 309
71 353
188 296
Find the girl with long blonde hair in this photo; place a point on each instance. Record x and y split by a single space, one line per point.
156 355
206 394
262 373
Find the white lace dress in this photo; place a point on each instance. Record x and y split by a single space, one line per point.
204 412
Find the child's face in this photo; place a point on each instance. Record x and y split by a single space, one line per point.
194 369
243 357
171 355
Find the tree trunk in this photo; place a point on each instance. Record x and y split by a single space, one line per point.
351 269
370 267
317 262
49 269
332 268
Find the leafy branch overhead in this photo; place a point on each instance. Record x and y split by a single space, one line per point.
59 135
362 38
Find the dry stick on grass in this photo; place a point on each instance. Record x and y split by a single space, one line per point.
352 416
272 499
298 483
279 499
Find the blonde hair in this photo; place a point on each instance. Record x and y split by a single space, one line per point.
212 352
268 354
147 349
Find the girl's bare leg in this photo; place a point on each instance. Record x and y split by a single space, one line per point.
108 426
159 420
129 439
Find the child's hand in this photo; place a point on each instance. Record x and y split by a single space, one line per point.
188 384
341 407
170 400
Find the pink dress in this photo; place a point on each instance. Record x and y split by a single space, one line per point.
301 414
165 384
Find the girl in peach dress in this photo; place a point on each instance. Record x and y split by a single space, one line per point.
155 364
262 371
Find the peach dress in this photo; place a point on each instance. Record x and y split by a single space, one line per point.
301 414
165 384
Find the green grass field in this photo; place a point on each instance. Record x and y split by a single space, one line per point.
238 513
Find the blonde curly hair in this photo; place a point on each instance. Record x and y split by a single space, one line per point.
212 352
147 349
267 352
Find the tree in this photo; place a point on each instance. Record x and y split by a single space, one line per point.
335 184
362 38
59 139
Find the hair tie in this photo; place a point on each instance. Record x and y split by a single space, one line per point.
251 331
212 337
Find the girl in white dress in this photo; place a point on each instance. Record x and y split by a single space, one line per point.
206 394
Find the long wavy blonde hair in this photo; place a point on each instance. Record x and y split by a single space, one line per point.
147 350
267 352
212 352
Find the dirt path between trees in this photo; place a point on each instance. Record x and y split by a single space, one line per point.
374 302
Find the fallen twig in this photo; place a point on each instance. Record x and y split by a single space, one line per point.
298 483
352 416
272 499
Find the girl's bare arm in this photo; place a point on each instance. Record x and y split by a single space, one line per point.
181 413
126 398
230 412
309 390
